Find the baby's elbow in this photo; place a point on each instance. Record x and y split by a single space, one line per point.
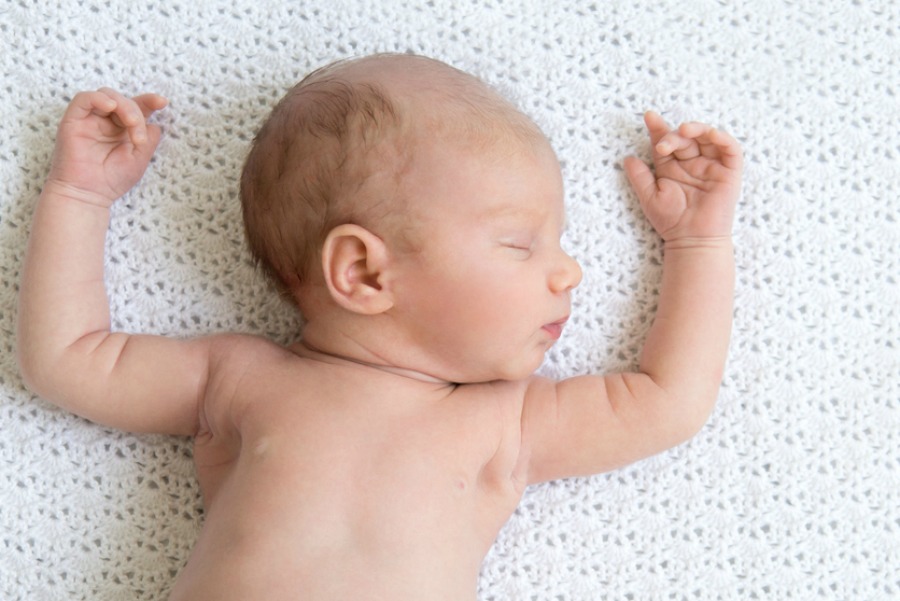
690 414
29 366
36 372
28 378
43 368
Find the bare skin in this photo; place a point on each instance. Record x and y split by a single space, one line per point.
366 462
399 493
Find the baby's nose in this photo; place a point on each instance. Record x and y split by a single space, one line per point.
567 275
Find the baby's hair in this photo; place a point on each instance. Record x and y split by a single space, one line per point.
308 157
335 149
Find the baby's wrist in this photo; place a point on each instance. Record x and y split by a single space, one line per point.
694 242
68 192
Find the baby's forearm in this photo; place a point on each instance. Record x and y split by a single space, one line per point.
687 344
62 297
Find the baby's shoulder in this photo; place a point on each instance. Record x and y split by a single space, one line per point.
230 350
499 407
241 367
500 402
509 394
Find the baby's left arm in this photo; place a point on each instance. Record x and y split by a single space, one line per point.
590 424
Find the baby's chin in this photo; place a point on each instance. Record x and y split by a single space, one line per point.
509 372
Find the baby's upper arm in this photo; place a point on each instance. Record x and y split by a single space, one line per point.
592 424
139 383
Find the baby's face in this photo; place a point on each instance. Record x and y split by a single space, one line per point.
488 292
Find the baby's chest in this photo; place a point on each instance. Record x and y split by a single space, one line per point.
389 485
417 460
374 453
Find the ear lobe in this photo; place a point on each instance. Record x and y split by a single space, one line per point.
354 261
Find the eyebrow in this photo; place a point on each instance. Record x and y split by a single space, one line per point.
520 215
503 210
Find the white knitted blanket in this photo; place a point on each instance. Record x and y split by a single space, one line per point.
792 490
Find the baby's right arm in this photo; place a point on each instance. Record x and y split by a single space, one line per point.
66 351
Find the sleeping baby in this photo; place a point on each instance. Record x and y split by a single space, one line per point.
414 217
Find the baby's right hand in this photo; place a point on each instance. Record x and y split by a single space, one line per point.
104 145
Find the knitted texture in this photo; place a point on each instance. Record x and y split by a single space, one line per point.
789 492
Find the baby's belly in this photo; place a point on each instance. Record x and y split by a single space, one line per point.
276 570
279 530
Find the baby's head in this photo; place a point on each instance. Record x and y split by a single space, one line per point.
338 148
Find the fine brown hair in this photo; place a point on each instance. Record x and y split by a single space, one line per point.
335 150
315 153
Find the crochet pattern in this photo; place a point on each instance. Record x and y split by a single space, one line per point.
789 492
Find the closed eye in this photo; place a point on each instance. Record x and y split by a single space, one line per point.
522 251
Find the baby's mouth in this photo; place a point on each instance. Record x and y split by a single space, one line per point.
555 329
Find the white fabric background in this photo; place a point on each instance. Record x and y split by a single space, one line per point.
791 490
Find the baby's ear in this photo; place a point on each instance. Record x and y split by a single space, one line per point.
354 262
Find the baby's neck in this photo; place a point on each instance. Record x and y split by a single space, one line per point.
308 351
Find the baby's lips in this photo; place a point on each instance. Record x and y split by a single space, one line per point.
555 328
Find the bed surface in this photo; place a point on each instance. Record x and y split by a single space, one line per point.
789 492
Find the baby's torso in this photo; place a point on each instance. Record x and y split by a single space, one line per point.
330 482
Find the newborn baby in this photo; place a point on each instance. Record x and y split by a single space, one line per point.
414 217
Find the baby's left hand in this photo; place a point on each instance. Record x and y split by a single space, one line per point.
697 181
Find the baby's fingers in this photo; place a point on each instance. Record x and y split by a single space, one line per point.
150 103
714 143
674 143
86 104
128 115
